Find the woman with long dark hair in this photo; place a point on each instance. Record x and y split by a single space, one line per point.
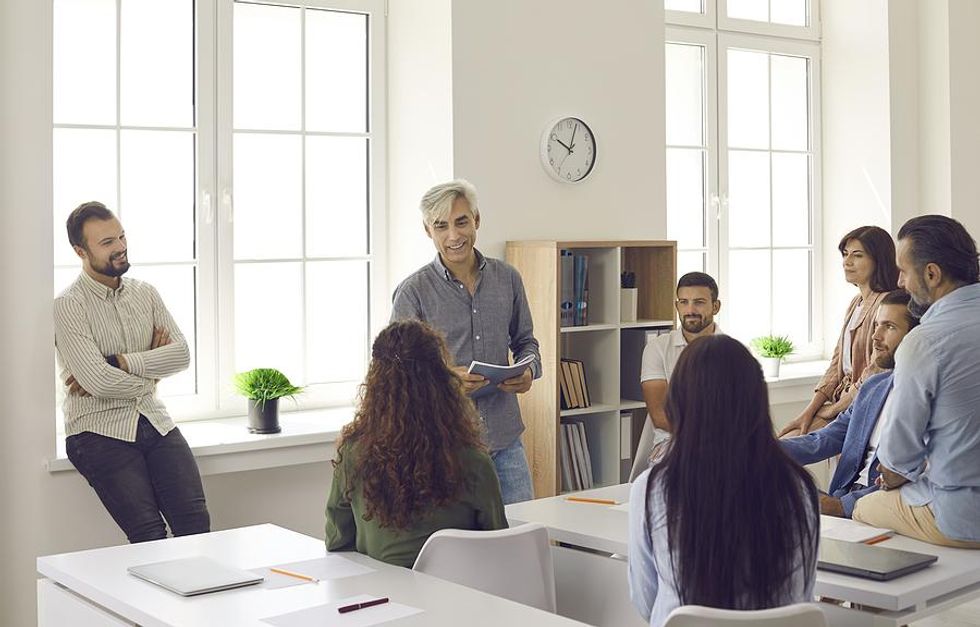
726 519
868 256
413 460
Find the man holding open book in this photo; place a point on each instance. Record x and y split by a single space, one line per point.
480 305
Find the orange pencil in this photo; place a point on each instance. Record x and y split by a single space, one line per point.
583 499
877 539
290 573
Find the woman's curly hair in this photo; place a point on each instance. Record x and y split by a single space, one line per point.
411 424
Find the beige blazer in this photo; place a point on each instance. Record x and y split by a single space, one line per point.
838 387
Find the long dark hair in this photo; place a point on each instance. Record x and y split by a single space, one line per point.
411 424
741 515
881 248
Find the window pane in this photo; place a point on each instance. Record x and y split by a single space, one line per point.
84 56
268 175
748 294
269 317
267 61
748 202
685 197
84 169
792 12
177 290
789 103
337 330
748 99
156 63
690 261
790 199
691 6
64 277
336 71
757 10
336 196
157 194
791 309
685 95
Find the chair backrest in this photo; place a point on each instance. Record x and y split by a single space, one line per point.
512 563
799 615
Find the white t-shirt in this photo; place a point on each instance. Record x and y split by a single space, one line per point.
661 354
863 476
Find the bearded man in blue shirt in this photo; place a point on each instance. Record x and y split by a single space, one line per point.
930 453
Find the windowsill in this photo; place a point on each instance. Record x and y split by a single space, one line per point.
799 373
224 445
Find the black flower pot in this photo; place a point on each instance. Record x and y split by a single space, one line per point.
263 417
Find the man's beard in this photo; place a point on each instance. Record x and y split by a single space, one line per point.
918 309
109 269
696 325
886 362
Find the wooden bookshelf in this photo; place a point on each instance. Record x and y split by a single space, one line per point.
597 345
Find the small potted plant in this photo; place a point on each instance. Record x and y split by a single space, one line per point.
771 350
263 387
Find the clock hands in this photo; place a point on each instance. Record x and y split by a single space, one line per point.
563 144
572 141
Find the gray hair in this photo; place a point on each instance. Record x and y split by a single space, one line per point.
437 203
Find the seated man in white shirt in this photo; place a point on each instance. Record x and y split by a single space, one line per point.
697 305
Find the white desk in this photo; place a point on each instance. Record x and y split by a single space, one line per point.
953 580
93 588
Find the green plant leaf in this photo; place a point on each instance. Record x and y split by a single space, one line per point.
264 384
773 346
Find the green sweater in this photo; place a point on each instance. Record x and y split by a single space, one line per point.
479 506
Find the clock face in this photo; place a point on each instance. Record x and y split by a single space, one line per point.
568 150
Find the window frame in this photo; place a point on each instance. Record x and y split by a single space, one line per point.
717 36
214 205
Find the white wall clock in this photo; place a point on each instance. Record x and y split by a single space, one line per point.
568 150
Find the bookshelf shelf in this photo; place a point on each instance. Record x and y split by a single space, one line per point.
604 326
597 345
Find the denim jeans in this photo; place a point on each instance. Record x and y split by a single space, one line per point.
513 473
137 481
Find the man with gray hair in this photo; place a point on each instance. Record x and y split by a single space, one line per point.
480 305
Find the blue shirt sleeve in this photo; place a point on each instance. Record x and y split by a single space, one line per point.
642 567
903 447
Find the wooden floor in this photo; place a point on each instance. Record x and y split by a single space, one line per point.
966 615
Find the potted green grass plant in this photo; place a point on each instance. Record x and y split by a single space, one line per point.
263 387
771 350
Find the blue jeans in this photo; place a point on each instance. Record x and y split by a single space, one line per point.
513 473
137 481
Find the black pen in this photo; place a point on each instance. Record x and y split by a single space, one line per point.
360 606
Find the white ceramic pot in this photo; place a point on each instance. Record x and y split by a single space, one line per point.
770 367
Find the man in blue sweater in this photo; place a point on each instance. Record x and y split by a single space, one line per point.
855 433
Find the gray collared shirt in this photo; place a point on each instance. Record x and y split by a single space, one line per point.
93 322
481 327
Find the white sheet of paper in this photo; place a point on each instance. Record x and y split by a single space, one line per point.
273 581
326 567
849 530
328 614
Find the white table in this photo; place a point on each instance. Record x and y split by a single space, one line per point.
93 588
953 580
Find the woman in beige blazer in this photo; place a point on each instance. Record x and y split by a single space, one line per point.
868 254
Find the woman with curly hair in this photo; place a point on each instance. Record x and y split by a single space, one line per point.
413 460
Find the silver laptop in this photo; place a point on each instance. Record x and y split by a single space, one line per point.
194 575
870 562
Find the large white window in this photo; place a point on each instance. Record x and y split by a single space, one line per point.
242 145
743 165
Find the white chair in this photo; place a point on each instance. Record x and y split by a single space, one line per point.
799 615
512 563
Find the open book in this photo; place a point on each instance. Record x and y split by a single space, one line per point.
497 374
849 530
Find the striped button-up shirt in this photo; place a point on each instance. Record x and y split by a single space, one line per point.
481 327
93 322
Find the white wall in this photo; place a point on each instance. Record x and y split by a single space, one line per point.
857 178
964 87
516 66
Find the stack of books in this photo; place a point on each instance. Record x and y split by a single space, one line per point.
576 462
574 389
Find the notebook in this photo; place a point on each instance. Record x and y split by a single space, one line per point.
189 576
870 562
